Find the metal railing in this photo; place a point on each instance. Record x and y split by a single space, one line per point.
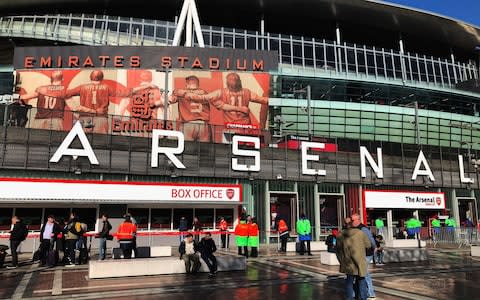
457 236
296 54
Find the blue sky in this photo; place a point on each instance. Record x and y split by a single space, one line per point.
465 10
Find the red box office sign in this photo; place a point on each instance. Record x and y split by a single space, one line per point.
117 192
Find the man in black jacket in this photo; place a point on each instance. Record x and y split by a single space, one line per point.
17 235
207 248
48 236
103 236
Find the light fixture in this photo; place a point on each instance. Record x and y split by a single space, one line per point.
279 176
78 171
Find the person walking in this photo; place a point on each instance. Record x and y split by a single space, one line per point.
223 227
207 248
304 234
18 234
356 223
103 236
73 233
253 240
241 237
283 234
126 235
351 254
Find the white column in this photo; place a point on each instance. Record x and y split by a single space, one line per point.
389 225
268 220
316 206
454 211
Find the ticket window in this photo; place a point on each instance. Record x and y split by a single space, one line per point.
161 219
331 212
374 214
141 217
182 212
226 213
60 214
6 218
467 211
32 217
283 206
87 216
205 217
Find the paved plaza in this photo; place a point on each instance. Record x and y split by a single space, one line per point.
450 274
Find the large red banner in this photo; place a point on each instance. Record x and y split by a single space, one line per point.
205 105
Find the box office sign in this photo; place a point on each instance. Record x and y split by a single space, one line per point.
404 199
53 190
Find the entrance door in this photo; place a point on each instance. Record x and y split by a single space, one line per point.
283 206
467 210
331 212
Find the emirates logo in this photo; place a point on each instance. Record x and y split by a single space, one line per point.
230 193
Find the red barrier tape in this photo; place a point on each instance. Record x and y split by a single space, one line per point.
139 233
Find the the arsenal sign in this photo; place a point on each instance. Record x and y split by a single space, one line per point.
404 199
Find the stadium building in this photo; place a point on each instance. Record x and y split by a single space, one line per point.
269 108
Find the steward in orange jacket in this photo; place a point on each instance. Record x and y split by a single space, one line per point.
283 233
223 226
126 235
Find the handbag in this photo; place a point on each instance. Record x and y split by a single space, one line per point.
109 237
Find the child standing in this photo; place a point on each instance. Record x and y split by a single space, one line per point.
379 243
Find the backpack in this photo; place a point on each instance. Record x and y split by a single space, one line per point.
76 229
24 233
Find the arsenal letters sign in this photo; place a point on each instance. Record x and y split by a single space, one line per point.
105 191
404 199
131 57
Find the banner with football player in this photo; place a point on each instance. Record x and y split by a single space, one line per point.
129 102
207 106
212 106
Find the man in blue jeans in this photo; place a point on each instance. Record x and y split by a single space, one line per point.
369 252
103 236
351 245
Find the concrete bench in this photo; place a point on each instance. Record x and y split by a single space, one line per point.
314 246
405 255
160 251
411 243
156 266
475 250
327 258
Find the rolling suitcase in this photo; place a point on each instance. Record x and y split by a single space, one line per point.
298 247
52 258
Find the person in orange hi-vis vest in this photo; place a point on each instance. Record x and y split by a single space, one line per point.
125 235
253 240
283 233
223 226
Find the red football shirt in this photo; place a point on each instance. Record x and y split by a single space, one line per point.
50 101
